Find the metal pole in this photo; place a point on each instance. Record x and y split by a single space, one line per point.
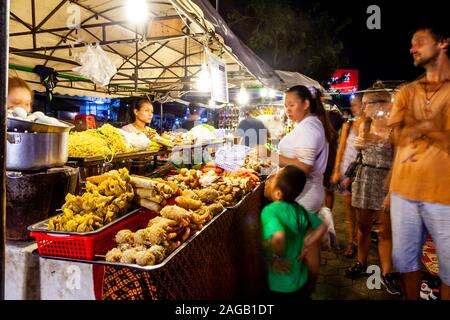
4 45
217 5
161 119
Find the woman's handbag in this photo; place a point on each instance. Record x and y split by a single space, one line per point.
353 167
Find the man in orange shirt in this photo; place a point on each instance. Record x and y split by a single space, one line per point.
420 182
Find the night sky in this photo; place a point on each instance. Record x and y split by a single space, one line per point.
378 54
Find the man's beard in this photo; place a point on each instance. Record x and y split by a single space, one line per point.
423 62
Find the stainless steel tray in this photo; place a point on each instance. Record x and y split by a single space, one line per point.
135 266
42 226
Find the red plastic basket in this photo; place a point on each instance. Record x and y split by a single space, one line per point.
86 247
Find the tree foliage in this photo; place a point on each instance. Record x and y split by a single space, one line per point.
290 38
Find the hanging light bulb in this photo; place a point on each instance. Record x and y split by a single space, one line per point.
137 10
243 96
203 80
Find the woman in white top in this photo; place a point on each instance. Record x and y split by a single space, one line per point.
141 113
306 146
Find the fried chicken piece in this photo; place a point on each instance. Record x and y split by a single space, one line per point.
125 236
163 222
188 203
175 213
114 255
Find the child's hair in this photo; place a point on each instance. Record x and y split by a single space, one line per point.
291 181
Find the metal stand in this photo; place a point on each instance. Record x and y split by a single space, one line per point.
4 34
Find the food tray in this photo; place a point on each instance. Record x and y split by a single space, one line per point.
98 259
85 246
120 156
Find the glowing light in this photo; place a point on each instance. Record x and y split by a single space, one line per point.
211 103
271 93
203 81
264 93
243 96
136 10
99 101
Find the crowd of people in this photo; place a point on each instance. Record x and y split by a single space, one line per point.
392 167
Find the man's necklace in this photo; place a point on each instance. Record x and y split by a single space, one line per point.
428 99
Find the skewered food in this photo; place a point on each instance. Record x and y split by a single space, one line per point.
145 258
125 236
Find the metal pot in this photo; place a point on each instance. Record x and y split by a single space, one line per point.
18 125
36 151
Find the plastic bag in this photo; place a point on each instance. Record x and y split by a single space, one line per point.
137 140
96 65
329 239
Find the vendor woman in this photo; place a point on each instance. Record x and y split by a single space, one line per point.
19 94
141 114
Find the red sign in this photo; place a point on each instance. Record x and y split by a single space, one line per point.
344 81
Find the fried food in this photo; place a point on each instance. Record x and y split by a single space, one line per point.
207 195
114 255
125 236
129 256
175 213
188 203
158 252
190 194
145 258
215 208
149 205
164 222
106 198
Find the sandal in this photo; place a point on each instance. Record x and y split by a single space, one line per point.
350 251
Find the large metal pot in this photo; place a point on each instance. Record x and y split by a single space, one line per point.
36 151
18 125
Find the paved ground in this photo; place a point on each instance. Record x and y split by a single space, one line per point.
332 284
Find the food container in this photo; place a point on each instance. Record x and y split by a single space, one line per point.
33 197
36 151
86 245
18 125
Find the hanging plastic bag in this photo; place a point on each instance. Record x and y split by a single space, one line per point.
329 239
95 65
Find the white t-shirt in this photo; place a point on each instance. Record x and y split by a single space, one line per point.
307 143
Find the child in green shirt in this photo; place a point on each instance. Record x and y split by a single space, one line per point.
284 227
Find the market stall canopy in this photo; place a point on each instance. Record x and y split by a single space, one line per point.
291 79
166 54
